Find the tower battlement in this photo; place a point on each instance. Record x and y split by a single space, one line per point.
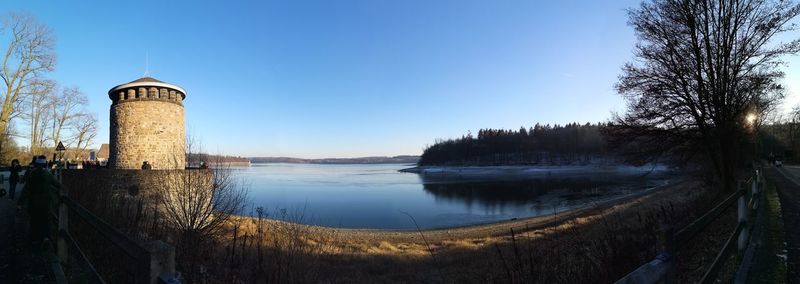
147 88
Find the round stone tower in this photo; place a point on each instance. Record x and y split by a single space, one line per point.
147 125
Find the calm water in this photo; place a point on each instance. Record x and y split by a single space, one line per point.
374 196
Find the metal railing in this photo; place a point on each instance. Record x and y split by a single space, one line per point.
151 262
661 268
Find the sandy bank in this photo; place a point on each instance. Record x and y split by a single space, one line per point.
488 230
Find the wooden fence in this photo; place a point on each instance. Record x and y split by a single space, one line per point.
146 263
661 268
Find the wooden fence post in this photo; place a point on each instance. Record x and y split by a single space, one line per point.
758 176
161 261
668 252
741 214
63 223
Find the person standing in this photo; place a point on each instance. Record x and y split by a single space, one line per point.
13 178
39 195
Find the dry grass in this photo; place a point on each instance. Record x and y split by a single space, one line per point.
596 246
599 247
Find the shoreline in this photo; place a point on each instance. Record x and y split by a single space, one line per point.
455 174
530 169
473 231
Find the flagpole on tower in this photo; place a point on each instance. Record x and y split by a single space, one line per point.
146 64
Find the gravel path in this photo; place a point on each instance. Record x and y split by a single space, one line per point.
788 186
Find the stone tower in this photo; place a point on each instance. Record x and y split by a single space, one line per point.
147 125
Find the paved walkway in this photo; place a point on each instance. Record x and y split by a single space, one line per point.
19 262
787 183
7 240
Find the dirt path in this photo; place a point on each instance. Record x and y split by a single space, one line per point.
18 261
787 185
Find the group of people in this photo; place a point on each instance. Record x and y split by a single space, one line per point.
13 178
39 194
91 164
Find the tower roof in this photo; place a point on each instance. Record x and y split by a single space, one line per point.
146 82
146 79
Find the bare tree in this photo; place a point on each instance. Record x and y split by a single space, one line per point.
54 114
39 100
701 67
30 53
63 109
198 202
85 130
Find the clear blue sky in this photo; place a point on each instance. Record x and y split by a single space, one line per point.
348 78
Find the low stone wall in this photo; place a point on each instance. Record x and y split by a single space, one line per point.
93 184
131 200
90 181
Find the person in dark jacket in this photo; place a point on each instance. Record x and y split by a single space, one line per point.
39 195
13 179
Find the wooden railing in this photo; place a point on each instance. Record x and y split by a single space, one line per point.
661 268
148 263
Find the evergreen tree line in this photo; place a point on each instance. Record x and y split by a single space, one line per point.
541 144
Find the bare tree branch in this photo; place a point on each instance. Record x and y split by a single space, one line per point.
701 67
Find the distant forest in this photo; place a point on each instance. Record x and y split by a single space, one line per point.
541 144
208 158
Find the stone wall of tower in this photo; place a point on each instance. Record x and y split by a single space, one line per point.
147 124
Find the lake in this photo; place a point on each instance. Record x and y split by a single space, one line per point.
376 196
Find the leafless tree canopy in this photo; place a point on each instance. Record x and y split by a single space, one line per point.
59 114
198 202
36 104
701 66
52 113
29 54
84 128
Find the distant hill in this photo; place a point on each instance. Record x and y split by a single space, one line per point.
403 159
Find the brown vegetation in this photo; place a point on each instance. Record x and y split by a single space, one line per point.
599 247
272 247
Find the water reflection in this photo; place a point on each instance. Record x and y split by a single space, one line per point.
538 195
514 192
372 196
